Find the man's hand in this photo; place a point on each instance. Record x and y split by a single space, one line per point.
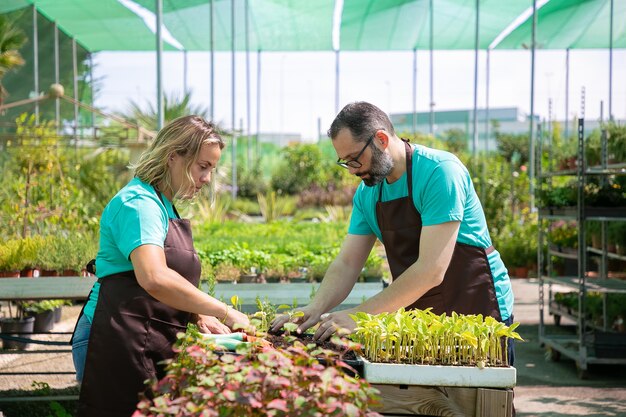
338 322
210 324
305 317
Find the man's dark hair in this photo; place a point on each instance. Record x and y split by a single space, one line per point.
362 119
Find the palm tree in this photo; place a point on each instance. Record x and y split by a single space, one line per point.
174 106
11 40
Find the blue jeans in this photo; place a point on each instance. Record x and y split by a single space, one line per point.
79 346
510 342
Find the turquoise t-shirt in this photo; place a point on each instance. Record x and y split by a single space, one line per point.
442 192
134 217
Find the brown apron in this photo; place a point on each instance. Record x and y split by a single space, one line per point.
467 286
132 332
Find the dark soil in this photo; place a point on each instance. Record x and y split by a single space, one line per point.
279 341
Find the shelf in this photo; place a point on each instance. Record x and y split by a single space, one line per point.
609 255
569 346
573 253
559 310
591 213
561 173
567 255
610 169
591 284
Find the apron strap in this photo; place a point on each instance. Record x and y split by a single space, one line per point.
408 149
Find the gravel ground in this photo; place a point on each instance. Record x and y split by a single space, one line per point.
544 388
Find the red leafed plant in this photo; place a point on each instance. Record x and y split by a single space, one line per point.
256 381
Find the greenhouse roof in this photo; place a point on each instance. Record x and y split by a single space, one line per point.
326 25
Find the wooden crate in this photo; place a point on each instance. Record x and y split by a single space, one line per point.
411 400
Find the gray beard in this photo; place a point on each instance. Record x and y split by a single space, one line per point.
381 167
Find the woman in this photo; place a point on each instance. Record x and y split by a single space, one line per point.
149 272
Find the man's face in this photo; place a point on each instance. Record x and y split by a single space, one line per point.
375 164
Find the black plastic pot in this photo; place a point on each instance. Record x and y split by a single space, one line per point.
44 322
15 327
57 314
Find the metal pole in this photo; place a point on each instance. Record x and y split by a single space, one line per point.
258 105
531 163
234 121
248 147
75 76
567 93
414 91
57 102
159 59
483 190
611 64
36 61
75 73
431 52
488 82
475 116
212 54
319 130
185 67
93 99
336 81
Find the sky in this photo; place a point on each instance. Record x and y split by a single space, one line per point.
298 88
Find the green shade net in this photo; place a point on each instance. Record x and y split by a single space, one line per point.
405 24
307 25
11 5
576 24
99 24
274 25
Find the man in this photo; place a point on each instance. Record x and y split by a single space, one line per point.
421 204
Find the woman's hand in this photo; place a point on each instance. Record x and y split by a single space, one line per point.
236 320
210 324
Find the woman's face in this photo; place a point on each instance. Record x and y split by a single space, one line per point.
200 171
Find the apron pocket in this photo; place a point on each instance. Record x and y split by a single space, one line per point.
160 338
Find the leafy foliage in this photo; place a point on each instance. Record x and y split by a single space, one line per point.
419 336
256 381
11 40
174 106
47 190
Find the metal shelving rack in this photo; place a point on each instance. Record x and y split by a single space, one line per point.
578 346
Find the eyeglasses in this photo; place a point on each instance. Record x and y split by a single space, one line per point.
354 162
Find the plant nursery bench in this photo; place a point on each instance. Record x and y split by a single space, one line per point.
77 288
45 288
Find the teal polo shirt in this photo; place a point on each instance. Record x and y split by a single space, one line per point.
442 191
134 217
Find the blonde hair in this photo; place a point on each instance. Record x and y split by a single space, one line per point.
183 136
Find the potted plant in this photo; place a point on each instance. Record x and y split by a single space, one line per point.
373 269
50 257
16 326
256 380
616 143
11 258
44 313
275 271
31 247
226 273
